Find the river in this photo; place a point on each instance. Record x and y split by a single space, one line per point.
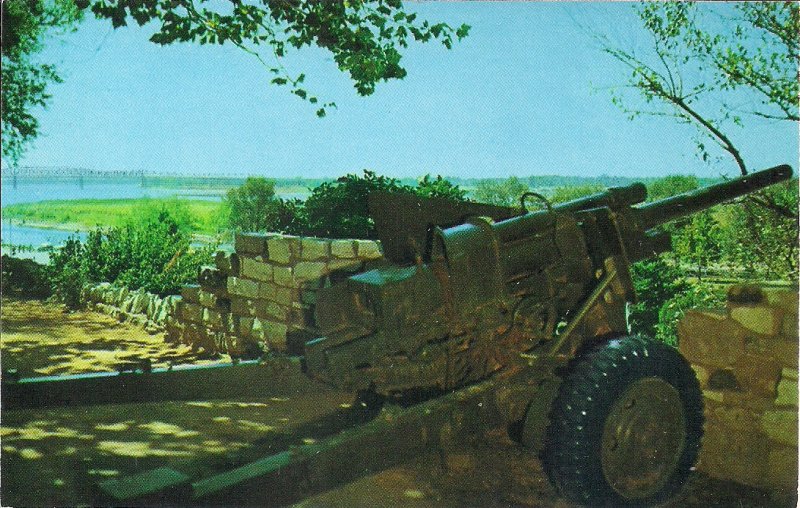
32 190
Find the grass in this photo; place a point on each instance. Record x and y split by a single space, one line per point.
204 217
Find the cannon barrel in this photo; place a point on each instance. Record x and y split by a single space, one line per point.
675 207
614 197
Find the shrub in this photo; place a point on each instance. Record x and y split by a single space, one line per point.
695 296
23 277
340 209
154 253
656 281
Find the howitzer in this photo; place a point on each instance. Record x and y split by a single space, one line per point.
542 293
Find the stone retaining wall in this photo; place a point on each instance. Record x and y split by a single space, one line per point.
262 295
139 307
746 358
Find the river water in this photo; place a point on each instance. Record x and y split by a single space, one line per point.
24 190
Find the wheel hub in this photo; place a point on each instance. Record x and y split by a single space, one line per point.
643 438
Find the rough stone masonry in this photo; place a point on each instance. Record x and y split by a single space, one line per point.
261 296
746 357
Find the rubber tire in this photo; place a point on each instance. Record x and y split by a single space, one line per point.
572 453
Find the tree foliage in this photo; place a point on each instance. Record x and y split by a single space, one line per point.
253 206
365 37
25 80
704 61
500 192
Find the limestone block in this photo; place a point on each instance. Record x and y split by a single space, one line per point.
242 307
702 375
708 338
345 265
284 296
784 352
251 243
758 318
242 287
281 249
213 318
781 426
736 456
191 293
227 262
368 249
734 418
245 327
257 270
267 309
275 335
309 270
782 470
343 249
282 275
787 392
191 312
789 374
266 290
789 330
785 299
715 395
758 374
314 249
212 301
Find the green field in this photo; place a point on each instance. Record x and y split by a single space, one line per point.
202 216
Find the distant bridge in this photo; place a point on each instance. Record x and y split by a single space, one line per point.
65 172
17 173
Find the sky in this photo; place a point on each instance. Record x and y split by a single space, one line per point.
526 93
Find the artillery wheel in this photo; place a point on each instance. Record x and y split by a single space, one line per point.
625 428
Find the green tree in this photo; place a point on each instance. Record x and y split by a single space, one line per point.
698 241
500 192
26 81
439 188
761 239
703 61
364 37
570 192
253 206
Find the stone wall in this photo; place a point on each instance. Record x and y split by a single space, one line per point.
746 358
139 307
261 296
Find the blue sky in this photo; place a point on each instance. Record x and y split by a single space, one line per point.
524 94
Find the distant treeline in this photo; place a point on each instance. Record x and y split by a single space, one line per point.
223 183
534 182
